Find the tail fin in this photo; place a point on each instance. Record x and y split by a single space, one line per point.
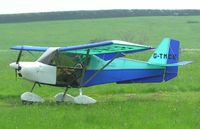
167 53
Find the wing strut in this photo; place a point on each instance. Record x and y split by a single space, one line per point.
85 67
97 72
83 99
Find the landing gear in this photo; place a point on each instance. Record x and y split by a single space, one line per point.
80 99
64 97
29 97
67 98
83 99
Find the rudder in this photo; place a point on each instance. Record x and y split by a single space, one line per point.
172 72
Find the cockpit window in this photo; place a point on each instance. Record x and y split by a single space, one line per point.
67 59
52 57
69 69
69 66
48 56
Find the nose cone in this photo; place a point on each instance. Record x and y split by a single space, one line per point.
14 65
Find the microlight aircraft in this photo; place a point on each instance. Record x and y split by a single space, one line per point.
94 64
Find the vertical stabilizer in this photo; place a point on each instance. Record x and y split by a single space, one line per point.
166 53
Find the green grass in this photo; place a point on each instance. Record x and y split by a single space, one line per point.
170 105
149 110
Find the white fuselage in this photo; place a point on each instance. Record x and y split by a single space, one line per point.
36 72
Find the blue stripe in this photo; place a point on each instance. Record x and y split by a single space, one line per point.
29 48
86 46
109 76
152 79
38 48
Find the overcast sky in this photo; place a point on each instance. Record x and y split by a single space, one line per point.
27 6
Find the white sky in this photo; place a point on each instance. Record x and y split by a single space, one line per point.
27 6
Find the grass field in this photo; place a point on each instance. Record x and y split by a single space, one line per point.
171 105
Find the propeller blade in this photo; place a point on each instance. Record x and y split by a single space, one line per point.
17 62
19 56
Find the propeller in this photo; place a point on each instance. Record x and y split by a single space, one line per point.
17 62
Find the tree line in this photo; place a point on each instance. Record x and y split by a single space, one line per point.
69 15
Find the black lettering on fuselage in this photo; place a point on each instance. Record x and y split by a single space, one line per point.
161 55
164 56
154 55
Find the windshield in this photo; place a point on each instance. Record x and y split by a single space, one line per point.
52 57
67 59
48 56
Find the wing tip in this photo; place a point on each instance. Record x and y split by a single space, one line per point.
29 48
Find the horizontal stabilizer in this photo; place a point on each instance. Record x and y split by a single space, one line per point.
180 63
175 64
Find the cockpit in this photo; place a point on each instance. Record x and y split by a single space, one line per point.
69 66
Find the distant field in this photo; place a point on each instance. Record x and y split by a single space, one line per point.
171 105
71 32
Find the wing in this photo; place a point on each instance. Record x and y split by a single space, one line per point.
106 47
105 50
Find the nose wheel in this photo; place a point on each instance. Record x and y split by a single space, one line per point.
29 97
